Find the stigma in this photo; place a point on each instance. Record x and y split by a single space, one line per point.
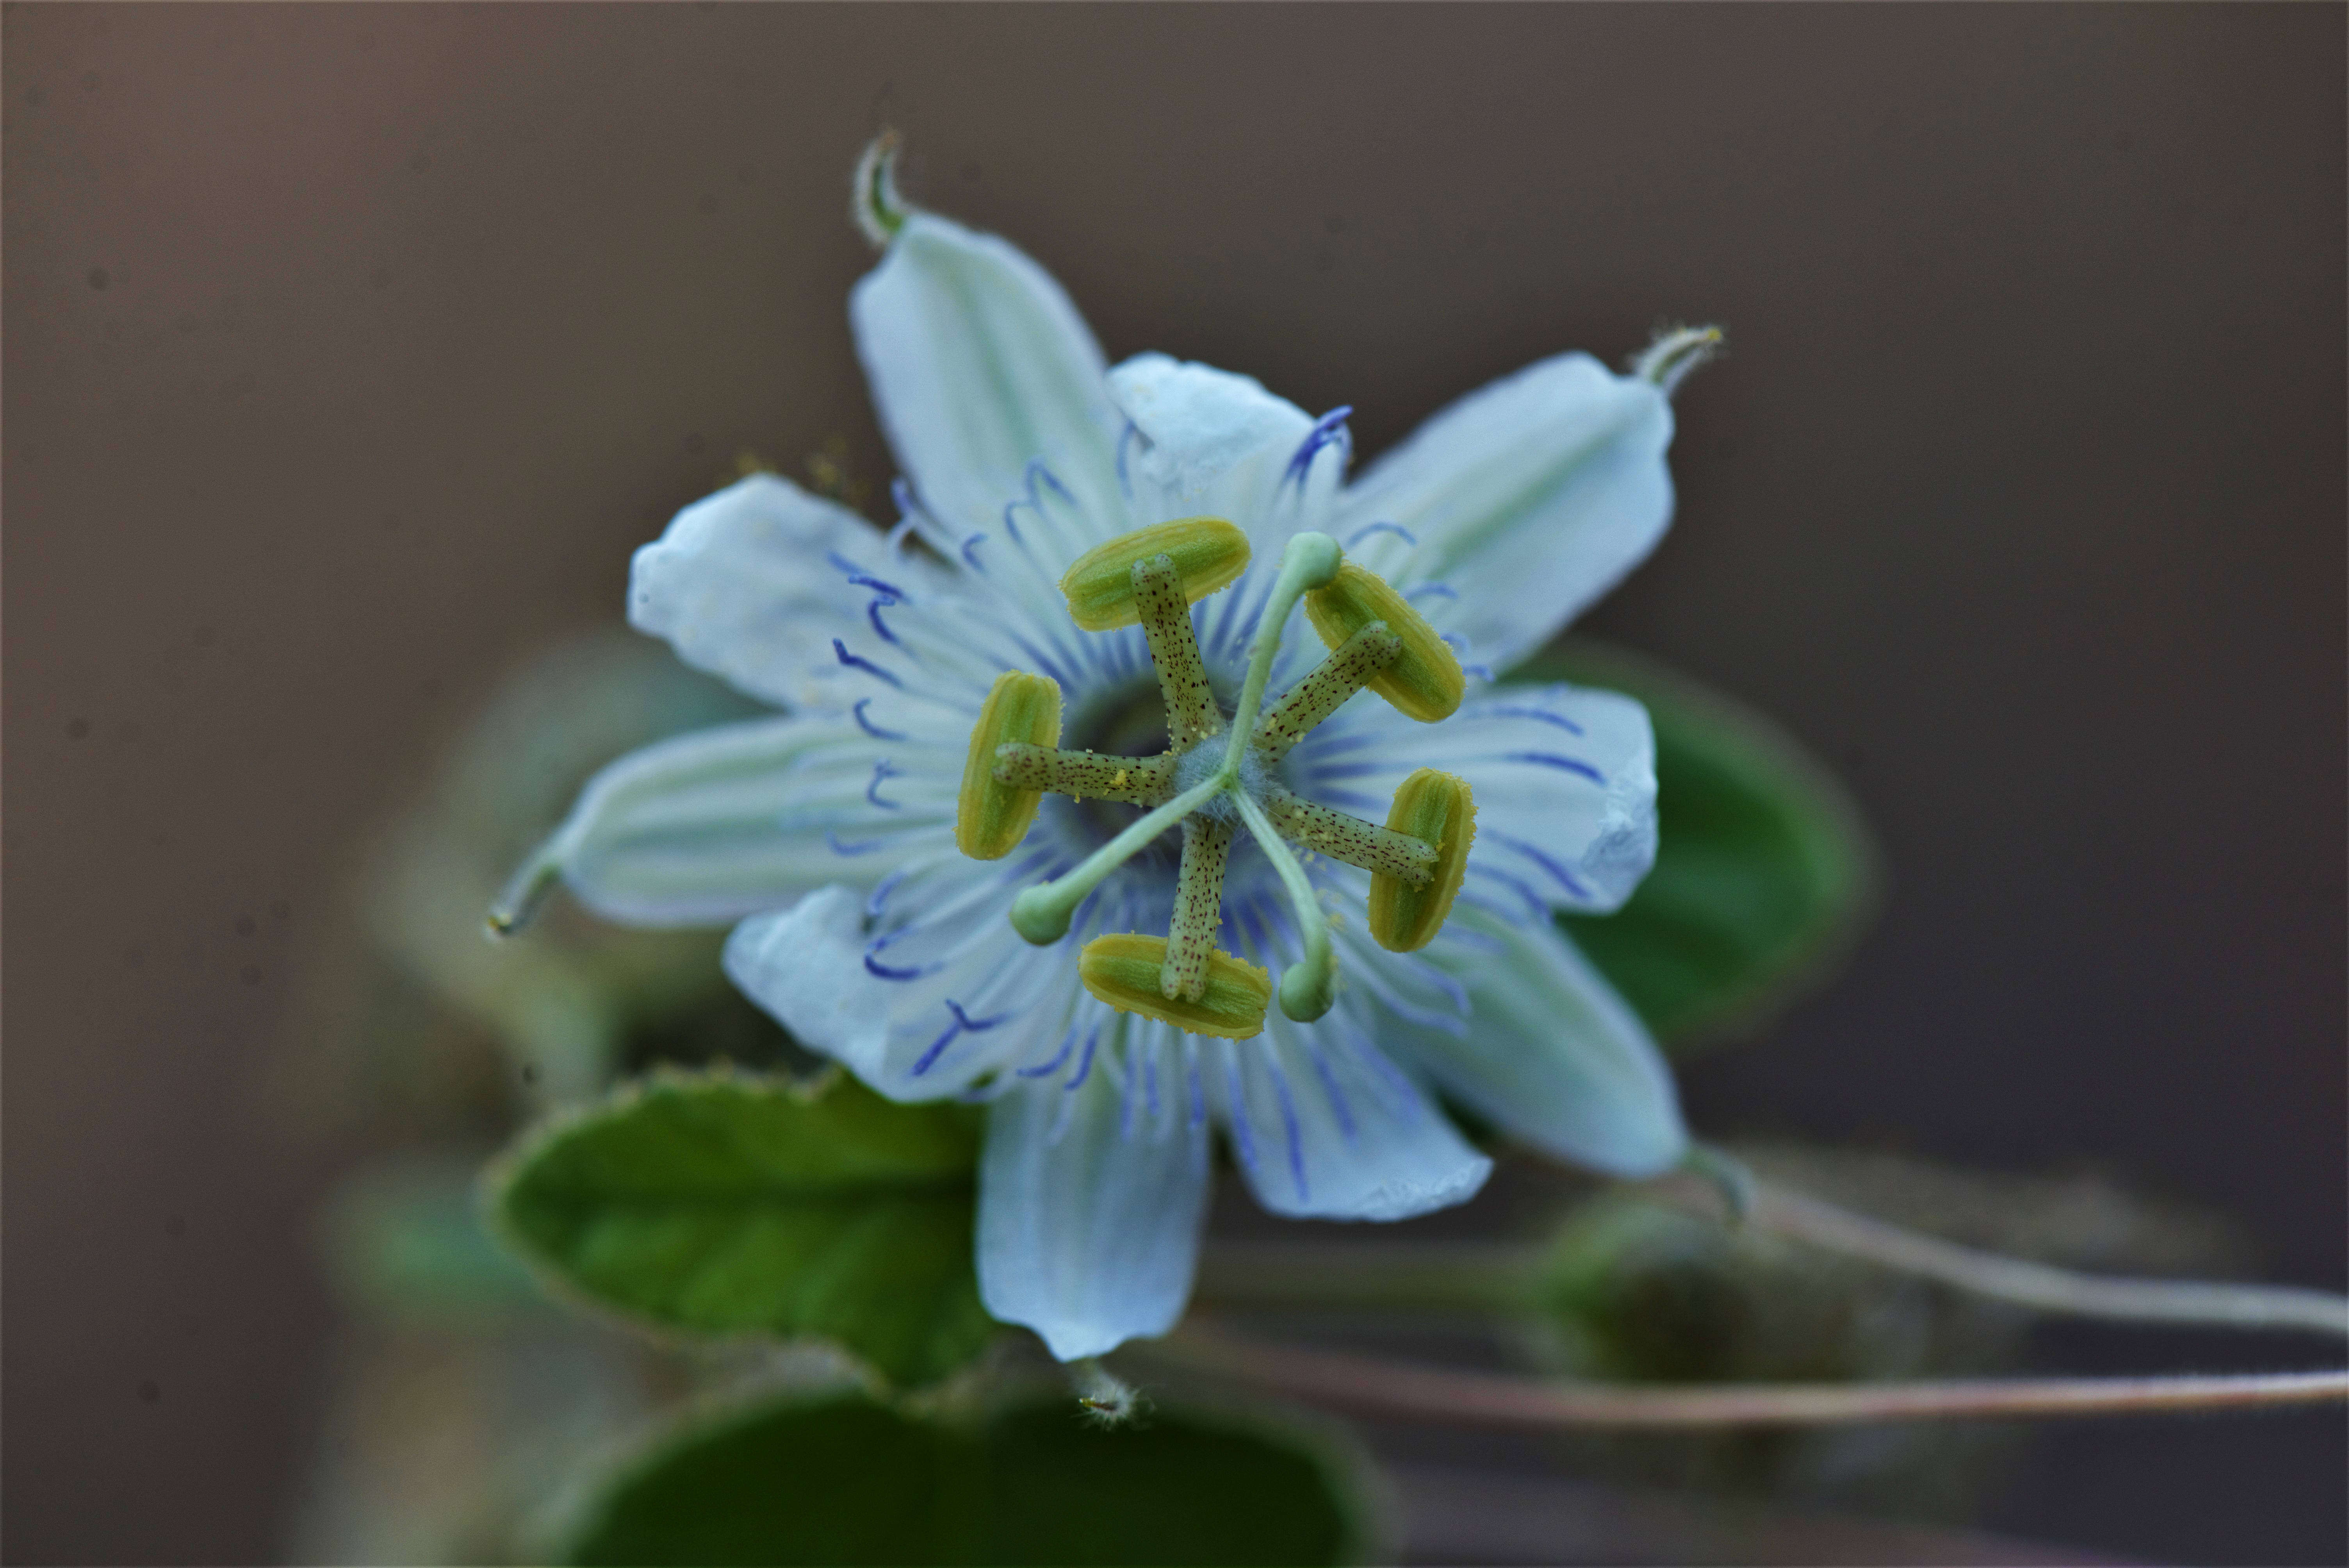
1220 776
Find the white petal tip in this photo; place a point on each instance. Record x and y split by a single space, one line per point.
1667 361
526 890
879 209
1726 1174
1106 1399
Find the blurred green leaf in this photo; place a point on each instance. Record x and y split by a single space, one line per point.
721 1204
403 1238
1634 1289
564 1001
844 1481
1764 873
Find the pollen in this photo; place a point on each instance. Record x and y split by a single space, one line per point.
1207 554
991 815
1424 679
1123 971
1434 808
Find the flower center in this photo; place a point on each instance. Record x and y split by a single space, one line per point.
1218 774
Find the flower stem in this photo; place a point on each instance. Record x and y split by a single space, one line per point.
1498 1279
1370 1387
1788 1213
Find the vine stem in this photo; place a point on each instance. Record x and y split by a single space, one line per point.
1365 1386
1499 1278
1798 1217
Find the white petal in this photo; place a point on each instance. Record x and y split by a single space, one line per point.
979 365
1564 777
1551 1054
920 988
1088 1219
708 827
1206 442
1527 499
1324 1126
796 964
754 582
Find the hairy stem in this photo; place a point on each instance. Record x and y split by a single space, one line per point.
1325 688
1346 837
1198 906
1191 714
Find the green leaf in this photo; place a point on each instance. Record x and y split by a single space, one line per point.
1764 875
722 1204
403 1239
841 1479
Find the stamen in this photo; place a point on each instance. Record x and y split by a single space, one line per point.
1122 968
1379 850
1376 639
1166 611
1198 908
1438 809
1208 552
1312 560
1307 987
1041 913
1347 669
1423 681
990 816
1086 775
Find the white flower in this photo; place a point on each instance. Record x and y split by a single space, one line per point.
829 833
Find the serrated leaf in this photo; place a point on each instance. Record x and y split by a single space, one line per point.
844 1481
716 1204
1763 871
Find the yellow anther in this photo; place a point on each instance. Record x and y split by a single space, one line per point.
1437 808
1119 781
991 817
1207 552
1423 680
1124 970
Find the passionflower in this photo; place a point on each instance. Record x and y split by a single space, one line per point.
1147 780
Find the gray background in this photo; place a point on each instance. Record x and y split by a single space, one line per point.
350 350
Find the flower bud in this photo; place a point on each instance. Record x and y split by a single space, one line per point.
1437 808
1123 969
1207 552
992 816
1424 680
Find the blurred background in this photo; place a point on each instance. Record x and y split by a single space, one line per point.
349 351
